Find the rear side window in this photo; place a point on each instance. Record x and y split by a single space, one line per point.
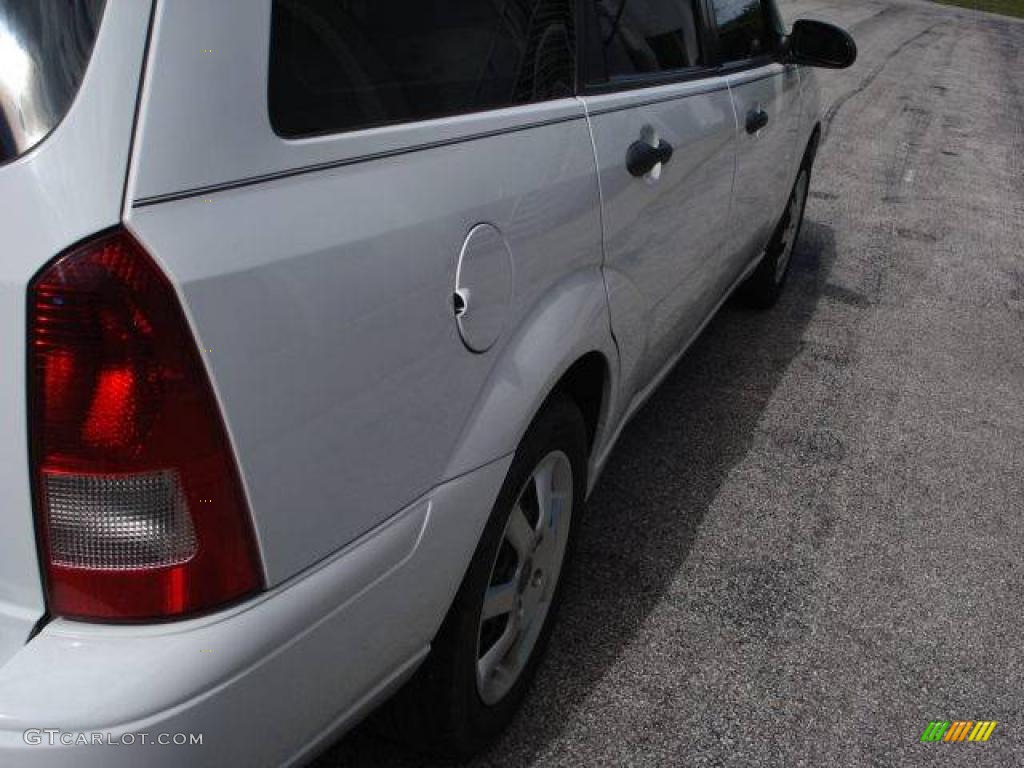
648 36
340 65
744 29
45 46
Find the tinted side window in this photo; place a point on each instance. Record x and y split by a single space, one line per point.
744 29
340 65
643 36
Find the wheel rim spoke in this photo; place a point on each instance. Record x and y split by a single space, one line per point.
552 505
543 479
499 600
487 666
520 533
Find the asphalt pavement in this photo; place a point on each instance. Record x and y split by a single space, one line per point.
810 543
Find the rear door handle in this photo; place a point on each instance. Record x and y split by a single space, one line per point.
642 158
756 120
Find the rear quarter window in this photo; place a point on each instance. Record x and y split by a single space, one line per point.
45 46
341 65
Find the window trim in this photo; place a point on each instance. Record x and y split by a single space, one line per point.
588 52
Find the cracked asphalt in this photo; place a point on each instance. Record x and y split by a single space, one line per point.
809 543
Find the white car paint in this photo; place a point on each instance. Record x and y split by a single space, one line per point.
67 188
317 276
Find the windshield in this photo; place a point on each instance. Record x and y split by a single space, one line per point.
44 49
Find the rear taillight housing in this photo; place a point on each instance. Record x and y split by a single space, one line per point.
140 508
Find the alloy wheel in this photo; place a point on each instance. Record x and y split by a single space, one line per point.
524 576
794 215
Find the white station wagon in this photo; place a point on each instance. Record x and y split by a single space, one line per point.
321 318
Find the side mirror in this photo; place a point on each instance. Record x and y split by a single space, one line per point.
817 44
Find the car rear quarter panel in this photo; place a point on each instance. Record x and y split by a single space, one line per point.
318 276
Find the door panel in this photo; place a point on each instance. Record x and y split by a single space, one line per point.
765 157
664 231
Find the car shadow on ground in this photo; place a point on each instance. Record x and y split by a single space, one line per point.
648 507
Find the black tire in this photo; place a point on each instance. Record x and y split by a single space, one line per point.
764 287
440 711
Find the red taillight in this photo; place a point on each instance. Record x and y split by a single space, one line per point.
141 511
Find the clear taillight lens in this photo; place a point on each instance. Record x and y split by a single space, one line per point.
141 510
118 522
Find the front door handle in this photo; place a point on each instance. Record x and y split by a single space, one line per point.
756 120
642 158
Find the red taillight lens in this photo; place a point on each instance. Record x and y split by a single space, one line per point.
141 511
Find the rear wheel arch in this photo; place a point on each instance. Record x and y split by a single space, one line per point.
563 346
587 382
